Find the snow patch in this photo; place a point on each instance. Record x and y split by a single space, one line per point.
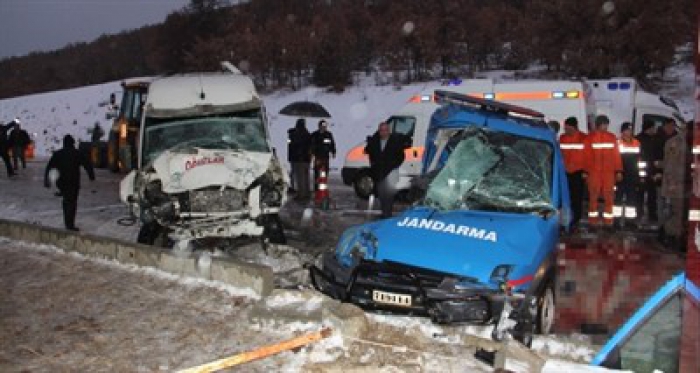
193 283
578 349
558 366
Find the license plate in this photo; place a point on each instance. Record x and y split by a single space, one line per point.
401 300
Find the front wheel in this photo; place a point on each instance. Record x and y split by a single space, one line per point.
363 185
153 234
273 231
545 310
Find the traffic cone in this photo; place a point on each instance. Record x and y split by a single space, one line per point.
29 152
322 195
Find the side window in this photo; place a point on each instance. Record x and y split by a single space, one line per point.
404 125
139 99
655 344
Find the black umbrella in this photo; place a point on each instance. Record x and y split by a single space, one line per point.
306 109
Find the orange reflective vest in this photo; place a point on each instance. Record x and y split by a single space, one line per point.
602 154
631 161
572 149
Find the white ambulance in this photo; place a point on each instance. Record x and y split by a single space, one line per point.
621 99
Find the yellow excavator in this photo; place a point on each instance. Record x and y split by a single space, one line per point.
123 137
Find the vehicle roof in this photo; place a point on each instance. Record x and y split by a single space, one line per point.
201 93
454 115
137 82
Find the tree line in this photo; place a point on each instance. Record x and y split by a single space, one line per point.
294 43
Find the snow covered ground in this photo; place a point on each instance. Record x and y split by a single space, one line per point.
105 316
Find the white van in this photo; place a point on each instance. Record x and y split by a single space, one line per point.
206 166
620 99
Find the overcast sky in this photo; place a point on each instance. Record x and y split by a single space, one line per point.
42 25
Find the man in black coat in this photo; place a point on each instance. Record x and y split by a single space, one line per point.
67 161
322 148
650 155
386 154
300 157
19 140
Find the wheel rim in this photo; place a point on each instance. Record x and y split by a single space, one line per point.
364 186
546 314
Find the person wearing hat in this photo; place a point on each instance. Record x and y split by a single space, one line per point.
571 143
626 200
5 146
650 155
604 167
67 161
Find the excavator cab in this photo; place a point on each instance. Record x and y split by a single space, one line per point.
123 137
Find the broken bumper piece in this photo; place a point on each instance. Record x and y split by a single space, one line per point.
398 288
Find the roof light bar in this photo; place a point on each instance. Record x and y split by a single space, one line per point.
624 86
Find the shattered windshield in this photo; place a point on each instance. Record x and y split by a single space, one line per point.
493 171
240 131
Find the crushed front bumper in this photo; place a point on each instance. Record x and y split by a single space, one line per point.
399 288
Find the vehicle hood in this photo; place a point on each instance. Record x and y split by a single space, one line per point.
466 243
196 168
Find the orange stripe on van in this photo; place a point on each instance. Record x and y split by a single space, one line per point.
411 154
414 154
543 95
357 154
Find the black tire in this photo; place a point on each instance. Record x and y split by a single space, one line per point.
363 184
273 231
153 234
546 310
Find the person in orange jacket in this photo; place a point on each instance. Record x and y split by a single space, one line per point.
626 192
604 168
571 143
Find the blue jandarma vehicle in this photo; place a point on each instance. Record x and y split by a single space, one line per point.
481 243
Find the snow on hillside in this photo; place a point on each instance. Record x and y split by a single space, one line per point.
356 112
50 116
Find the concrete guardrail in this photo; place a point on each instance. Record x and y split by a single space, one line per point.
258 278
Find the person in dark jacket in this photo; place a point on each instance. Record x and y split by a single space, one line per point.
322 149
386 154
650 155
19 141
626 191
67 161
4 146
300 157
